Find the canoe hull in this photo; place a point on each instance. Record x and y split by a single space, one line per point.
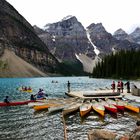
54 109
85 111
15 103
119 107
110 107
132 108
32 104
68 111
113 110
71 109
29 91
101 112
43 107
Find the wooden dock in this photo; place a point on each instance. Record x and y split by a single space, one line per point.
100 94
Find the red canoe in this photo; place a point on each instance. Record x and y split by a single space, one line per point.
109 107
119 107
15 103
116 104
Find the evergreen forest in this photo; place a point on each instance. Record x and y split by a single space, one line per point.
123 64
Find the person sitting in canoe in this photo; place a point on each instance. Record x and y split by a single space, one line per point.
32 97
29 88
6 100
40 94
22 88
25 89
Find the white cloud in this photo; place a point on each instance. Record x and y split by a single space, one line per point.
113 14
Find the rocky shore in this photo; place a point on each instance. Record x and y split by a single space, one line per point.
103 134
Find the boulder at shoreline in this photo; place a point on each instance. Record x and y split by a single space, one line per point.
103 134
97 134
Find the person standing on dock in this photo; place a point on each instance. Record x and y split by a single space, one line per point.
68 86
127 84
113 86
121 84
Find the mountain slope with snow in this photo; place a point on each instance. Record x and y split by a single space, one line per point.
69 41
67 38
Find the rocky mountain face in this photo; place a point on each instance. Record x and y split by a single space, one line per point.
70 42
38 30
101 38
136 35
18 35
122 35
133 37
105 42
67 38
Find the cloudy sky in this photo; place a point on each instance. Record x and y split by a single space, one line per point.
113 14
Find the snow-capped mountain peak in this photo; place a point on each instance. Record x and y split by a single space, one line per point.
67 17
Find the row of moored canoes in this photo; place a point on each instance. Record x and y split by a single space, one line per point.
109 105
99 107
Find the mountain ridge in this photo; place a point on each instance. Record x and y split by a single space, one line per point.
97 41
67 39
132 37
18 35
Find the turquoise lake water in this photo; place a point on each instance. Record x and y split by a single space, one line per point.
21 122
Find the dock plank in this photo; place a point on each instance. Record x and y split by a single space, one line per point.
80 94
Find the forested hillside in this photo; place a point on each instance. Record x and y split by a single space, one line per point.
123 64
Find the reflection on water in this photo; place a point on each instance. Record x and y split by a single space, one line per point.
21 122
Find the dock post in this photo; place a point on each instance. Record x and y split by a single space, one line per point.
65 130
